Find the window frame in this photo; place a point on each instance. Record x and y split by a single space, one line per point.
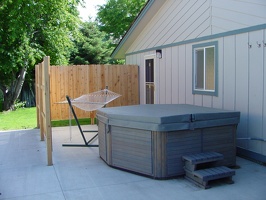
203 46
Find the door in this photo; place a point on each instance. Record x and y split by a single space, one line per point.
149 81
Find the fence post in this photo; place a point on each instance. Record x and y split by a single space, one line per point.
43 105
48 110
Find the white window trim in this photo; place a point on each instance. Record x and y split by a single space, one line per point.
205 91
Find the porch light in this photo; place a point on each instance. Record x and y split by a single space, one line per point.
159 53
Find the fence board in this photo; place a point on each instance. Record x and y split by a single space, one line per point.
83 79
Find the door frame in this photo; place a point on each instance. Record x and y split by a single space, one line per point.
147 57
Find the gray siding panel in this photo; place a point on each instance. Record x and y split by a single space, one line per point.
175 23
218 101
242 90
255 90
230 14
264 99
188 82
185 22
168 76
182 74
229 73
175 75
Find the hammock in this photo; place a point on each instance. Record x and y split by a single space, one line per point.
94 101
89 102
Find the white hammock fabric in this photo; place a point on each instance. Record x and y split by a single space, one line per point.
94 101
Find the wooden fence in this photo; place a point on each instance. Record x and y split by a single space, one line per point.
77 80
43 105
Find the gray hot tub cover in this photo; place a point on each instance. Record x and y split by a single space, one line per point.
167 117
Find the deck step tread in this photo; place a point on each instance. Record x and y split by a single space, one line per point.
205 157
214 173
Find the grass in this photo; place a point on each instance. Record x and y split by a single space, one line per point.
26 118
22 118
84 121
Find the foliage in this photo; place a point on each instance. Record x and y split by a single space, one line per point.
92 47
116 16
29 30
25 119
19 104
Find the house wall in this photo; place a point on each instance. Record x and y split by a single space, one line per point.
240 29
241 82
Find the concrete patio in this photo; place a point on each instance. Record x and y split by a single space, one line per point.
78 173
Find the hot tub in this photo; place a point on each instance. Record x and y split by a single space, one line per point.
151 139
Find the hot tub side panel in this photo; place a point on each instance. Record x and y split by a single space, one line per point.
221 139
131 149
181 143
102 139
168 149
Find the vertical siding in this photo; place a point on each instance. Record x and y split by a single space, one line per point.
242 89
168 76
182 74
162 68
175 74
229 73
188 82
218 101
264 96
255 90
230 15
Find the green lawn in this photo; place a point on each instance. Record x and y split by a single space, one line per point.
22 118
26 118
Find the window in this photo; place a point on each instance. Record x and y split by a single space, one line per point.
205 57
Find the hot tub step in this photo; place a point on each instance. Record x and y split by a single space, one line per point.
203 176
201 160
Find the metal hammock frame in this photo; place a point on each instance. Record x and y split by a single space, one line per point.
87 143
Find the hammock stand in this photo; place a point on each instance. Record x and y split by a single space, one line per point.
96 100
86 143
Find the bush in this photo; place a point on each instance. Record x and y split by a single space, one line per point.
19 104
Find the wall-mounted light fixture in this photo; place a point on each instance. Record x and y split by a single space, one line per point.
159 53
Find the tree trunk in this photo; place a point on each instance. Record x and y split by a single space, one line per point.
13 93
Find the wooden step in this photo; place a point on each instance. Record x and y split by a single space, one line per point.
205 157
201 160
203 176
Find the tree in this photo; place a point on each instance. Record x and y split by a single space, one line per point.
92 47
116 16
29 30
